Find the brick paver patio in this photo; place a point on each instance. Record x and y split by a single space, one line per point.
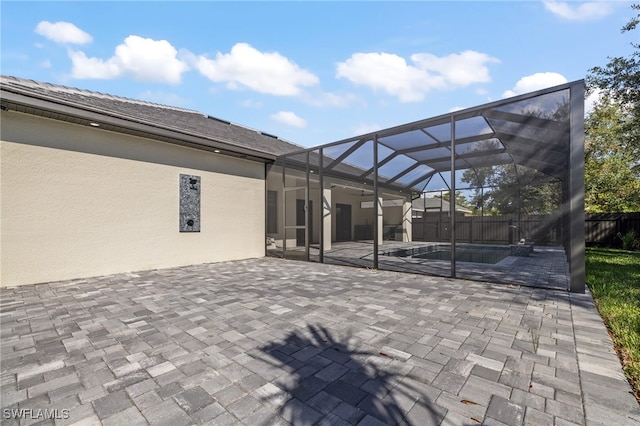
269 341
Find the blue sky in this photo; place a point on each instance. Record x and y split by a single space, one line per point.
312 72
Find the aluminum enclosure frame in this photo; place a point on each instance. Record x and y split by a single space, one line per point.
541 131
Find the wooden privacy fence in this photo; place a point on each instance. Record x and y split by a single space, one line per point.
504 229
600 229
603 228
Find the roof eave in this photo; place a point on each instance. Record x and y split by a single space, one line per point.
41 106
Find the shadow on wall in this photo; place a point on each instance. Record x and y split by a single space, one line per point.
330 382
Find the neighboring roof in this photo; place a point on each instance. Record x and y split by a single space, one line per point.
432 204
140 118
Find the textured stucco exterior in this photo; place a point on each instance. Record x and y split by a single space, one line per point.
78 201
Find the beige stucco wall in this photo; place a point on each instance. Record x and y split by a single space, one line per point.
78 201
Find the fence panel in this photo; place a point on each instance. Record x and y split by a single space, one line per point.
600 228
503 229
603 228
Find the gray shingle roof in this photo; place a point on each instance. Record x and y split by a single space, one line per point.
202 130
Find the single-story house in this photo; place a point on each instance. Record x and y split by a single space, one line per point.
96 184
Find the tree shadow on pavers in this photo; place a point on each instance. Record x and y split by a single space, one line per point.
329 382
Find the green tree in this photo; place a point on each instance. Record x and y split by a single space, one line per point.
513 189
619 80
612 178
620 77
461 200
612 133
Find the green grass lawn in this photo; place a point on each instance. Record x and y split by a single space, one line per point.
613 276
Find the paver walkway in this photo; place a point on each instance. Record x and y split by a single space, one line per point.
268 341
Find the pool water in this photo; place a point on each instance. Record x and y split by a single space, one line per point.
466 255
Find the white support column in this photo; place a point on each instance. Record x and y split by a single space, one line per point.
407 225
326 218
380 222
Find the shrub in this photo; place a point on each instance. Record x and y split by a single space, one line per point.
630 240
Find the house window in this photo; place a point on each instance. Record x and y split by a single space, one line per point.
272 212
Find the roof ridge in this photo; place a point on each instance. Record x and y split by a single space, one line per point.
34 84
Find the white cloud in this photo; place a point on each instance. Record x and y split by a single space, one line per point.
579 12
63 32
143 59
458 69
392 74
84 67
534 82
387 72
456 108
289 118
265 72
45 64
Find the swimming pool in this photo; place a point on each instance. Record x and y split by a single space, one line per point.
475 255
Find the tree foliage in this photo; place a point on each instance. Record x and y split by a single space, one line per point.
612 183
461 200
516 189
513 189
621 76
612 133
619 81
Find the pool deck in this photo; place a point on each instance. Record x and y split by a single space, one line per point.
275 342
546 267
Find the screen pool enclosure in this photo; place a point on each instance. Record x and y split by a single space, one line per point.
508 176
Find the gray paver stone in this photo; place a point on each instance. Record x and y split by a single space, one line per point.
167 413
298 413
450 382
384 410
208 413
112 403
505 411
193 399
332 420
457 404
324 402
264 416
244 407
307 388
331 372
345 392
130 417
534 417
53 384
565 411
426 414
369 420
229 394
349 413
